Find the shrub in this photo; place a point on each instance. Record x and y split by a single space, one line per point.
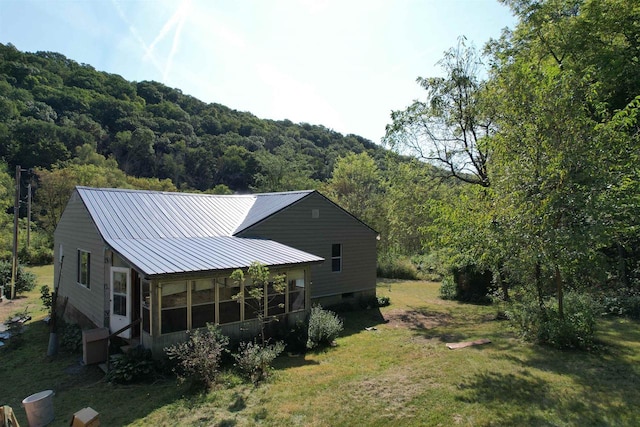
448 288
254 360
622 302
392 267
25 280
15 329
71 337
198 358
46 297
296 337
324 327
384 301
545 326
133 366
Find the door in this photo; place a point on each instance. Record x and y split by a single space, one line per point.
120 300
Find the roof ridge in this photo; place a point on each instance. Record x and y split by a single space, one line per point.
180 193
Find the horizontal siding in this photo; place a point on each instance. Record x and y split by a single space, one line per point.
295 226
76 231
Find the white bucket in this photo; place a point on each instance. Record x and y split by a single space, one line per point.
39 408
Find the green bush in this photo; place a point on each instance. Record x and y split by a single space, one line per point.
545 326
384 301
133 366
392 267
199 357
254 360
70 337
324 327
622 302
46 297
296 337
448 289
25 280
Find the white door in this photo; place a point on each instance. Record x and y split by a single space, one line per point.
120 300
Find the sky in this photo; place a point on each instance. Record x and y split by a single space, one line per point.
343 64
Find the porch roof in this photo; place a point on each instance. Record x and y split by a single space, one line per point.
184 255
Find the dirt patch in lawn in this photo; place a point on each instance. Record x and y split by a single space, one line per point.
9 307
416 319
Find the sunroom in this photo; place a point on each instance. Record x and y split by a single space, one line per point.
196 287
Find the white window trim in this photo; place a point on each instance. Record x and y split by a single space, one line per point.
78 273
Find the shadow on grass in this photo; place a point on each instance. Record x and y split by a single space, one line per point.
25 369
293 361
605 390
357 320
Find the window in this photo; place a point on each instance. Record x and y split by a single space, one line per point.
203 303
174 307
229 309
84 268
336 257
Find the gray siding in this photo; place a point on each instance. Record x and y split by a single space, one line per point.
295 226
76 231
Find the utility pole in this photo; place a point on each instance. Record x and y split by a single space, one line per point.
29 215
16 209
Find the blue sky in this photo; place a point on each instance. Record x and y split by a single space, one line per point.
344 64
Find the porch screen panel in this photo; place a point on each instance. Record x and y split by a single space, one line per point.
174 307
146 306
203 303
251 305
275 301
228 307
296 286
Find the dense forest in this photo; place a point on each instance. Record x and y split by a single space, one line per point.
514 175
67 124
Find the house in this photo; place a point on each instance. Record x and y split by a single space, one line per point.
166 258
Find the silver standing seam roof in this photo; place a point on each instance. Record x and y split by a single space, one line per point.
165 233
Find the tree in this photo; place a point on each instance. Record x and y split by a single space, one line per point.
554 151
357 186
451 127
252 294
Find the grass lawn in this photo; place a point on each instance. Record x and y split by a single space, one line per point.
401 373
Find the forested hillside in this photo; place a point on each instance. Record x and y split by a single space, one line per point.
51 106
67 124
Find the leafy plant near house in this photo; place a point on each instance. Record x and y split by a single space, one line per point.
253 295
254 360
46 297
133 366
71 337
383 301
324 327
199 357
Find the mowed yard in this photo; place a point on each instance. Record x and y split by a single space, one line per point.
390 367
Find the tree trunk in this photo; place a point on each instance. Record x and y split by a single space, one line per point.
538 281
622 268
558 280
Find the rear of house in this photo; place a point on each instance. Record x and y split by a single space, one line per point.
166 259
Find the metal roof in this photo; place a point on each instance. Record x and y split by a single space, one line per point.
162 232
182 255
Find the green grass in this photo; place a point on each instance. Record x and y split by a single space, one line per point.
399 374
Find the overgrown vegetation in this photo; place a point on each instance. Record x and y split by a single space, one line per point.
324 327
25 281
254 359
198 359
544 325
135 365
